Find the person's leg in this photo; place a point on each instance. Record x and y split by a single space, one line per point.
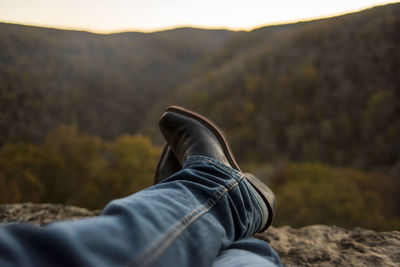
248 252
184 221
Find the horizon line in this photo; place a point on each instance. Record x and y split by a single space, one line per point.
183 26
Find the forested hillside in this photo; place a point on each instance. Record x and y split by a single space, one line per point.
103 84
312 108
326 90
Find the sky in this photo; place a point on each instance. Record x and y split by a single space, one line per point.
107 16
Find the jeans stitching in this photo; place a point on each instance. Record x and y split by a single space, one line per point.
232 183
153 251
203 159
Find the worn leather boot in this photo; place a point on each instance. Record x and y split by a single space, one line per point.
190 134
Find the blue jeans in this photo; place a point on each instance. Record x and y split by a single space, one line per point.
204 215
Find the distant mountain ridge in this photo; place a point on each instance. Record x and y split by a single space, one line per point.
325 90
101 83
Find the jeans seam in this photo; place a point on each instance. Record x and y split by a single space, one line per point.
202 159
158 247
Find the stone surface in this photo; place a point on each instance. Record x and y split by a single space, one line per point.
315 245
41 214
321 245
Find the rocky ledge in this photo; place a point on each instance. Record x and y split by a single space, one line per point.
315 245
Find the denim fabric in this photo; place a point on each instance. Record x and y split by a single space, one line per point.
248 252
196 217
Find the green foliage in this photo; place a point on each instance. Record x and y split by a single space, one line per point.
129 157
313 193
76 169
18 173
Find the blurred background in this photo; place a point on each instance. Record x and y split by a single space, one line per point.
309 105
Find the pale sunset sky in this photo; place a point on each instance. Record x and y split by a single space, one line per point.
106 16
